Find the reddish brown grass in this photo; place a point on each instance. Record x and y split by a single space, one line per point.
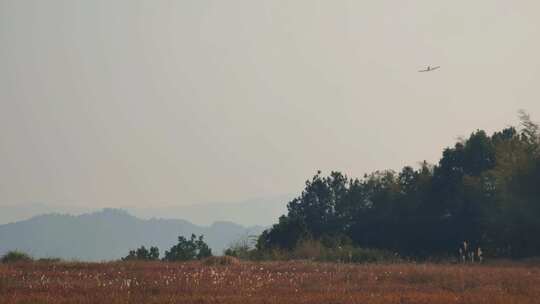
270 282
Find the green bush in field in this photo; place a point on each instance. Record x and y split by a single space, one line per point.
15 256
193 249
143 254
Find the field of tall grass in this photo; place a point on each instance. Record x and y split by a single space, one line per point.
267 282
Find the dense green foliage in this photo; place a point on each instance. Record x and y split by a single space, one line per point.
15 257
143 254
186 250
485 190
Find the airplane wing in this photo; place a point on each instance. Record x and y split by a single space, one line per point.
434 68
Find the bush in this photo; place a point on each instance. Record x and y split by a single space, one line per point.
16 256
143 254
186 250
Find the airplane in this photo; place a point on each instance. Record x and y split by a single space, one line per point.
429 69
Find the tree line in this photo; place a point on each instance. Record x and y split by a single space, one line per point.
194 248
484 192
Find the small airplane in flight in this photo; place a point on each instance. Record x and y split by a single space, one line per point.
429 69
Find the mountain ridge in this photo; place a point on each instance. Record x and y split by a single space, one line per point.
109 234
256 211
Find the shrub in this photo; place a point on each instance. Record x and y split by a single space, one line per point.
143 254
186 250
16 256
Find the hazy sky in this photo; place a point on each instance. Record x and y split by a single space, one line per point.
113 103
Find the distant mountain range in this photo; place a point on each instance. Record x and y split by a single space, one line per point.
109 234
259 211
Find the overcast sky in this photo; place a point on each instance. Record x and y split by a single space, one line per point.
146 103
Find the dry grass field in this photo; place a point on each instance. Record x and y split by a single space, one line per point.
269 282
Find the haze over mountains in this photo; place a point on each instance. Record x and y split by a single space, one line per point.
257 211
20 212
109 234
90 234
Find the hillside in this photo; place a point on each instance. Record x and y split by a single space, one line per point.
108 234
